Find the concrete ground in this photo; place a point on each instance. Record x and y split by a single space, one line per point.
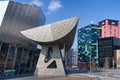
71 78
101 75
49 78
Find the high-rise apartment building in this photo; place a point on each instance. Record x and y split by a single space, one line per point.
72 58
69 58
17 57
75 58
87 44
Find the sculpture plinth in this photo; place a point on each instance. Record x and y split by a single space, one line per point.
43 68
52 38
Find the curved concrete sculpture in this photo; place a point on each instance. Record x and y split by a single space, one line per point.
52 37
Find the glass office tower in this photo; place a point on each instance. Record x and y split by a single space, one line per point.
87 44
18 56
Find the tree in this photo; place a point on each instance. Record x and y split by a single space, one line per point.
93 64
118 63
106 63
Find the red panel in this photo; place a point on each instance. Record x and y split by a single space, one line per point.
108 30
102 32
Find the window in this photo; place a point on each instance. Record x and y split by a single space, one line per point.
110 30
104 31
115 32
113 23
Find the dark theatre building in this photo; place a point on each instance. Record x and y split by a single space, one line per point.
18 54
107 49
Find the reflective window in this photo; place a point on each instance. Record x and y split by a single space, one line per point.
17 60
3 56
10 61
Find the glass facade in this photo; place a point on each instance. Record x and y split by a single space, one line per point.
16 59
87 43
107 50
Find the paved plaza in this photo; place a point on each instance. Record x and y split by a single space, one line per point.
100 75
49 78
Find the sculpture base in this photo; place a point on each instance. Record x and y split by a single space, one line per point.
53 67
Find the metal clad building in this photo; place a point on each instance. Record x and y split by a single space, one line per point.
15 58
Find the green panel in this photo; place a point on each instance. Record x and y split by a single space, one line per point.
87 43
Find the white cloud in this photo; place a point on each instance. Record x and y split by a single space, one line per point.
38 3
54 5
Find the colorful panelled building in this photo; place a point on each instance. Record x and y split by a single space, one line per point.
88 45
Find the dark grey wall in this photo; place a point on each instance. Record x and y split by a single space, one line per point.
20 17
